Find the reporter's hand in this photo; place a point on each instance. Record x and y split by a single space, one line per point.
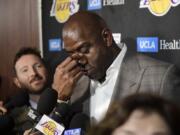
3 110
65 78
27 132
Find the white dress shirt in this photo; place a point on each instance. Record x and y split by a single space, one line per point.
33 104
101 93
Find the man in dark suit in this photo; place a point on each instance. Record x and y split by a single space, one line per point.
31 75
113 72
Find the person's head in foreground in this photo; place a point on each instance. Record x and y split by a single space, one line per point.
140 114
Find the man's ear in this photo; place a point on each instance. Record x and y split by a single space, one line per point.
16 82
107 36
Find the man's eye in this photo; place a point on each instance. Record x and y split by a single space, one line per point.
38 66
70 53
24 70
84 50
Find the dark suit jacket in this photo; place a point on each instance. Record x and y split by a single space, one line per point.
138 74
21 119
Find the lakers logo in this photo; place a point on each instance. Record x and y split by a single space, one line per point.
159 7
63 9
49 128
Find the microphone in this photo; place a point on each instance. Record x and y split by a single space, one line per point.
49 126
78 125
20 99
46 103
60 112
55 123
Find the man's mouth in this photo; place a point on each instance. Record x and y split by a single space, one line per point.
36 79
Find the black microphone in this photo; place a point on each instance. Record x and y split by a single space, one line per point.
78 125
20 99
6 123
46 103
57 118
60 113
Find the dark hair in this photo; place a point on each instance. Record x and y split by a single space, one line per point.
119 112
25 51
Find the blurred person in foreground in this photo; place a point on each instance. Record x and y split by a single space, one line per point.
110 72
140 114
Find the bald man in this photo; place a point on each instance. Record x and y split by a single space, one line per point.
112 72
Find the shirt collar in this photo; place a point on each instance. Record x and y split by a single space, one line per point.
116 63
114 66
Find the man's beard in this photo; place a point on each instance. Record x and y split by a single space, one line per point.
35 92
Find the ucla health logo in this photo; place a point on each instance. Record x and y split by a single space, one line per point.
147 44
159 7
63 9
55 45
94 4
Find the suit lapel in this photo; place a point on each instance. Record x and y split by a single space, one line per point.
129 78
128 82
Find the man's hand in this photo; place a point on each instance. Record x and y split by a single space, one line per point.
27 132
3 110
65 78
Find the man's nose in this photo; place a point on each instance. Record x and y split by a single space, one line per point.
82 61
80 58
32 71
